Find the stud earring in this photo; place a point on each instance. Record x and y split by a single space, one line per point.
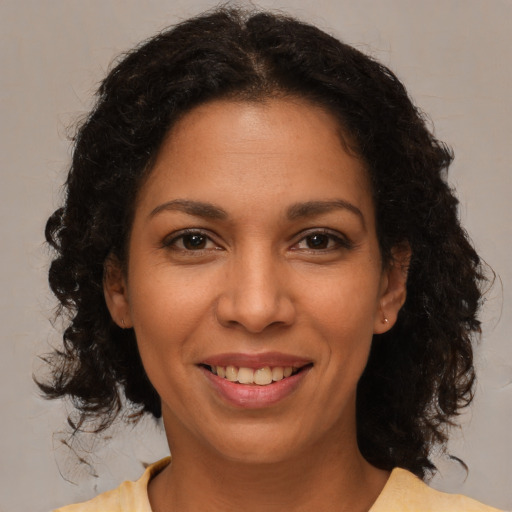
123 324
386 321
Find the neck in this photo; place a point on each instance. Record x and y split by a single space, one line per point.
314 479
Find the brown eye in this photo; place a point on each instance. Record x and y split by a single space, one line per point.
194 242
318 241
323 241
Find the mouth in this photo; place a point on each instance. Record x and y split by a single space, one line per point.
255 381
263 376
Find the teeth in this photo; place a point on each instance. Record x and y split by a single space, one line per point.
246 376
261 376
231 373
277 373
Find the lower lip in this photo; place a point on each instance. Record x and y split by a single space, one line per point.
253 396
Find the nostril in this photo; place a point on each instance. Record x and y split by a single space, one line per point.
254 301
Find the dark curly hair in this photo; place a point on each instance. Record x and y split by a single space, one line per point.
420 373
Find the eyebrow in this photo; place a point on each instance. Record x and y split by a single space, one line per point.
313 208
294 212
196 208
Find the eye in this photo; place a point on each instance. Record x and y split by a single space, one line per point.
322 241
191 241
318 241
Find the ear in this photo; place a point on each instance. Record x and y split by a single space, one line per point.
393 288
116 292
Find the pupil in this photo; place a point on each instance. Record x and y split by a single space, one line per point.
318 241
194 241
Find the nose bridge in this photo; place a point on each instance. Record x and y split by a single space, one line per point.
254 295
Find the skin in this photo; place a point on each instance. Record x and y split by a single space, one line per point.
257 283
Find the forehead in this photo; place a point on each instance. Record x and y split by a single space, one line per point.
282 150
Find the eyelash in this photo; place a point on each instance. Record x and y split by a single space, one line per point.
171 243
338 241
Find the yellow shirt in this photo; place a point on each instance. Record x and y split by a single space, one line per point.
403 492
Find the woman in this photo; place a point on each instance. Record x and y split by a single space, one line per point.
258 244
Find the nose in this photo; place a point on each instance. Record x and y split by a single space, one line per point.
255 295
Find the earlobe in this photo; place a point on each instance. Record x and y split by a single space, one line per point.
394 289
116 292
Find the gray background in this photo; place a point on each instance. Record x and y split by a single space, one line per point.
455 58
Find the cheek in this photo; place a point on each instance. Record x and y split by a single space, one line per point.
167 309
164 323
342 313
166 296
344 300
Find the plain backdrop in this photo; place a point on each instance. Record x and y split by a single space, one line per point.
455 58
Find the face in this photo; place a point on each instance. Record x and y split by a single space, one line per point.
254 281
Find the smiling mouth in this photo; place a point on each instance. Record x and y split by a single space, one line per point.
260 376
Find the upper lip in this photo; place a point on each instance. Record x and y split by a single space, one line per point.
256 361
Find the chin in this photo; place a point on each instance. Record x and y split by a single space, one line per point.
259 445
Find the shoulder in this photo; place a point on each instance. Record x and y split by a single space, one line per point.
127 497
105 502
404 492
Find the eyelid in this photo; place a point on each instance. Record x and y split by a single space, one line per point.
170 239
342 240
